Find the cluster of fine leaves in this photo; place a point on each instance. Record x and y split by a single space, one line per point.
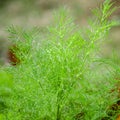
59 77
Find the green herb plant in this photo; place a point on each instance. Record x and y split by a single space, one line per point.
61 75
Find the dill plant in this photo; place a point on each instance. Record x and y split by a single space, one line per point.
61 78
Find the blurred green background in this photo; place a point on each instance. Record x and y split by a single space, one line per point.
30 13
